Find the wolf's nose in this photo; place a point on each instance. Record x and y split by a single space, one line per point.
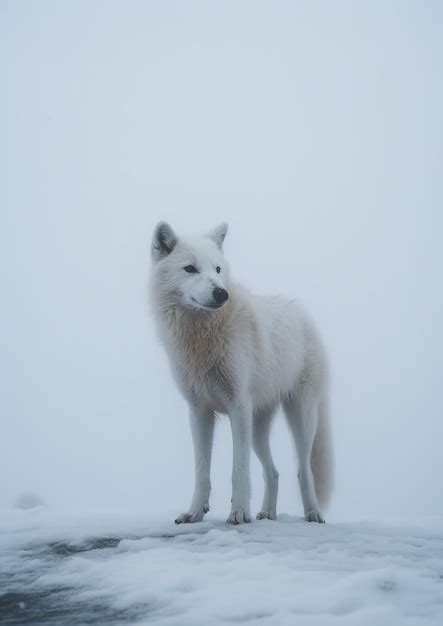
220 295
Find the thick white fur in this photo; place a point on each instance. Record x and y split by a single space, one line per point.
244 359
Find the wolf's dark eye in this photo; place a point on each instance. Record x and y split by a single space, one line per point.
190 269
218 269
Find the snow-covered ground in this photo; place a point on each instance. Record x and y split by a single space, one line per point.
116 569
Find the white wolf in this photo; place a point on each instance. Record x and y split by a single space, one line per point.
242 355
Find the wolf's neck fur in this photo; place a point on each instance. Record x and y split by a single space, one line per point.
197 336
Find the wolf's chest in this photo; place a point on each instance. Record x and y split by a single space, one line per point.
212 386
199 349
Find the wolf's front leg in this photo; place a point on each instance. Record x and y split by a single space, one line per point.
202 429
241 426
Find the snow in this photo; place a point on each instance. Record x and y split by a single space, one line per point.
115 569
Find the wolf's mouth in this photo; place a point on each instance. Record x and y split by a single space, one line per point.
210 306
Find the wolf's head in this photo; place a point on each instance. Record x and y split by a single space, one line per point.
190 272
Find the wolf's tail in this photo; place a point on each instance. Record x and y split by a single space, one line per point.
322 457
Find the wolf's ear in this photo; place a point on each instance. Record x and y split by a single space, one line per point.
163 241
218 234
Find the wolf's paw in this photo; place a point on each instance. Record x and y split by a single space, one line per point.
313 516
266 515
191 517
238 517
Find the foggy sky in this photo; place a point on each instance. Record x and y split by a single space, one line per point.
315 130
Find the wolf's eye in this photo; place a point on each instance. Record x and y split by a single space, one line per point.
218 269
190 269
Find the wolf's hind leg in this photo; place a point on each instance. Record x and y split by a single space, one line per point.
302 416
260 440
202 429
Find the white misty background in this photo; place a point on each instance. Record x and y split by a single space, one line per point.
315 130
